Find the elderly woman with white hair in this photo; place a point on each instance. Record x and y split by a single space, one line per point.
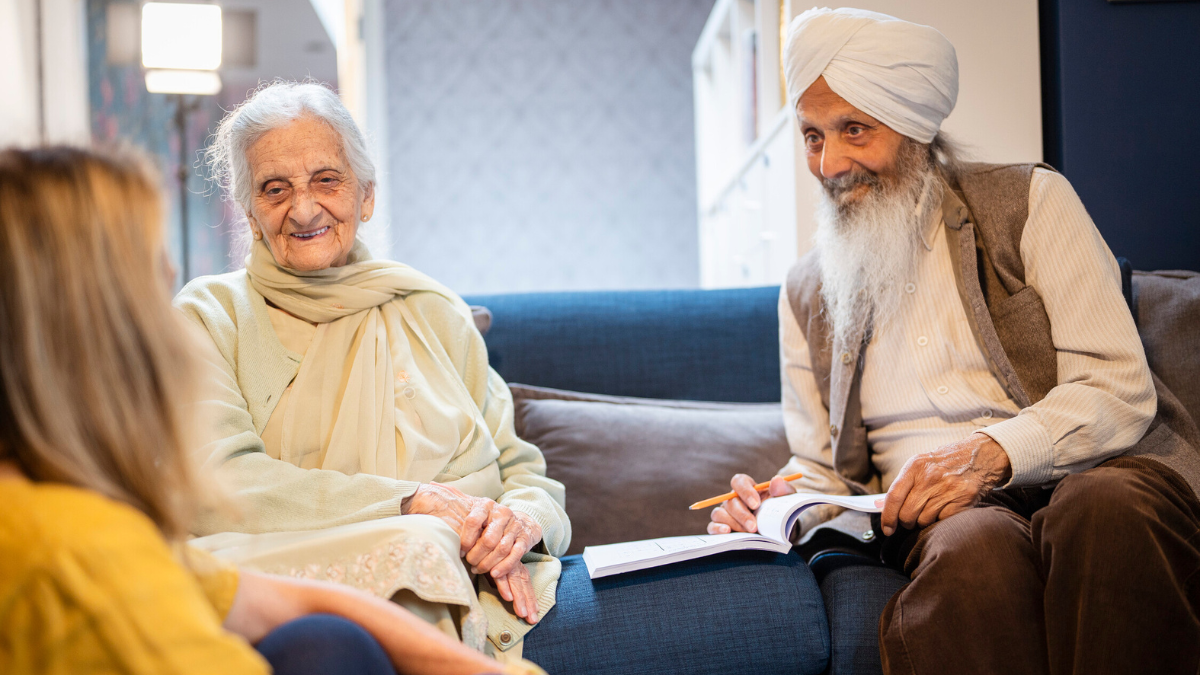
353 413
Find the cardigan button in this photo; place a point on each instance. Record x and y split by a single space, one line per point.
833 430
846 358
506 638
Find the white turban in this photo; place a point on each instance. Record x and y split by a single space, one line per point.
902 74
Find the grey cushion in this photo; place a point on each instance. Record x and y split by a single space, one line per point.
1168 319
633 466
482 316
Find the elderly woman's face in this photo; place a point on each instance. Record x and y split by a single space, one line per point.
306 202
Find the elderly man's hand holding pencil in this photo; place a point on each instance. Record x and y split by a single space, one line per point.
737 513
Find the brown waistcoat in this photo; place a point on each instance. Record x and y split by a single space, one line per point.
985 217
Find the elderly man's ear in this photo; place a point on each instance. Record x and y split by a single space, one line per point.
368 204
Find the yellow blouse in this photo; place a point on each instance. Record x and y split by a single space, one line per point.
88 585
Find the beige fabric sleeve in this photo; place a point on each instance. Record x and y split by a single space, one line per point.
270 495
526 488
805 420
1105 396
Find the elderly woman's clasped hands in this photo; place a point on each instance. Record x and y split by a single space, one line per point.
493 538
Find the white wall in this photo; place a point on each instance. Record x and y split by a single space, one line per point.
999 111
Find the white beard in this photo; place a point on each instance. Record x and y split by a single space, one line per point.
870 247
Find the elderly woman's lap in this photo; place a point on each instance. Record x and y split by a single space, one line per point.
736 612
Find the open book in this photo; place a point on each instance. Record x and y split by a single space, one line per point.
776 517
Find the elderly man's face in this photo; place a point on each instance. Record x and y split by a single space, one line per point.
849 151
306 202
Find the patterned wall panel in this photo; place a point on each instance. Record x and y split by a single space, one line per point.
544 144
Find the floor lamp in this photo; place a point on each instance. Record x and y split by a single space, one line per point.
181 51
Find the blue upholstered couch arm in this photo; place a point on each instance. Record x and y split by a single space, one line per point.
720 345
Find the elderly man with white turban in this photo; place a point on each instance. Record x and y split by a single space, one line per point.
958 338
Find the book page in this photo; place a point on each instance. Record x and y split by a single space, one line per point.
634 555
777 515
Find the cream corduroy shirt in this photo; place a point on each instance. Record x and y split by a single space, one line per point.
926 382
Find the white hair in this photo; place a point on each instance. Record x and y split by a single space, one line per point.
870 246
271 106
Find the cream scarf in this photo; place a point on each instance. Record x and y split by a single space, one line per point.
374 393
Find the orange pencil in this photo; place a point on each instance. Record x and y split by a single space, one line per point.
730 495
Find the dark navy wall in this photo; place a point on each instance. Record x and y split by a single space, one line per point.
1121 92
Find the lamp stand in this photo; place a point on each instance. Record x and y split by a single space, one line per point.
184 108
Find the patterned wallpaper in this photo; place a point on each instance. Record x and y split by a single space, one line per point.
544 144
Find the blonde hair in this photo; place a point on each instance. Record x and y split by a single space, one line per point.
95 365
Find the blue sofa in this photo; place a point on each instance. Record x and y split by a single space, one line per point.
723 346
691 346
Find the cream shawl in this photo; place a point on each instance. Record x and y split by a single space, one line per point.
374 394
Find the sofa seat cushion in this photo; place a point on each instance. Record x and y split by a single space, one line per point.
739 612
855 596
633 466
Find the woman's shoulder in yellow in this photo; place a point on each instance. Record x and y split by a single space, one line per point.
85 579
40 517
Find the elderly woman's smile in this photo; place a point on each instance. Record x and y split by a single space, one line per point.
307 201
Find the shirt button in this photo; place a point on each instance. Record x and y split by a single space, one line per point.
942 390
846 358
922 341
910 287
986 414
868 535
833 430
409 392
506 638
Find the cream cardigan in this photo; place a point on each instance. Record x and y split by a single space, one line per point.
247 375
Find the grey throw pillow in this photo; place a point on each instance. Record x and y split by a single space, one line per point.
633 466
1168 319
482 316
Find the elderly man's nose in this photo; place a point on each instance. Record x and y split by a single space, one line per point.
834 163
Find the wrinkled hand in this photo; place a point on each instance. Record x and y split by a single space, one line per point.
465 514
737 514
517 588
492 539
936 485
497 548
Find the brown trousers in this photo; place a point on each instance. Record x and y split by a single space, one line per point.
1099 575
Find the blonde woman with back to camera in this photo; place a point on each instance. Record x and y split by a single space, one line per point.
96 378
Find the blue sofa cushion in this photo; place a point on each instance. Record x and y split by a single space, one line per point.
718 345
855 596
740 612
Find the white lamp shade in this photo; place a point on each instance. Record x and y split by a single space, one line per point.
202 82
181 36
